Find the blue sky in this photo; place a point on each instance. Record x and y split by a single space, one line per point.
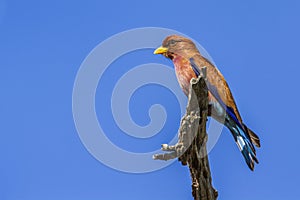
42 45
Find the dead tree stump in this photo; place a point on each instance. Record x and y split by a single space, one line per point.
191 146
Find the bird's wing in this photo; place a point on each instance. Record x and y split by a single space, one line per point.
217 86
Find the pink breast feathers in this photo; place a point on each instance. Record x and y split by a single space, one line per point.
184 73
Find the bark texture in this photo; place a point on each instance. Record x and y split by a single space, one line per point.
191 146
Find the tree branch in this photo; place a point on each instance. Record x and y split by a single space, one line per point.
191 146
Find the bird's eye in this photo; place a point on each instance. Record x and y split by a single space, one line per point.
172 42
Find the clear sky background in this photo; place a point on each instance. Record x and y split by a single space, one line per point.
42 45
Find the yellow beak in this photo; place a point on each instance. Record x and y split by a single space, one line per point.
160 50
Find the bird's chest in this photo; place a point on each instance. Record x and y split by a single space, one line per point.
184 73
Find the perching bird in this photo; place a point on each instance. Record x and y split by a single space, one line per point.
188 63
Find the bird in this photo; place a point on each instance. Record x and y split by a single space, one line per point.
188 63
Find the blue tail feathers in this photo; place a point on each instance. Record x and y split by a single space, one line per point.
244 143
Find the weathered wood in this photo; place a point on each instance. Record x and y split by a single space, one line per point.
191 146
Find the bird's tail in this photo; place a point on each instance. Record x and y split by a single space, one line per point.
244 141
254 138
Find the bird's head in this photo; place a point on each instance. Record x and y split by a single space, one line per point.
175 45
